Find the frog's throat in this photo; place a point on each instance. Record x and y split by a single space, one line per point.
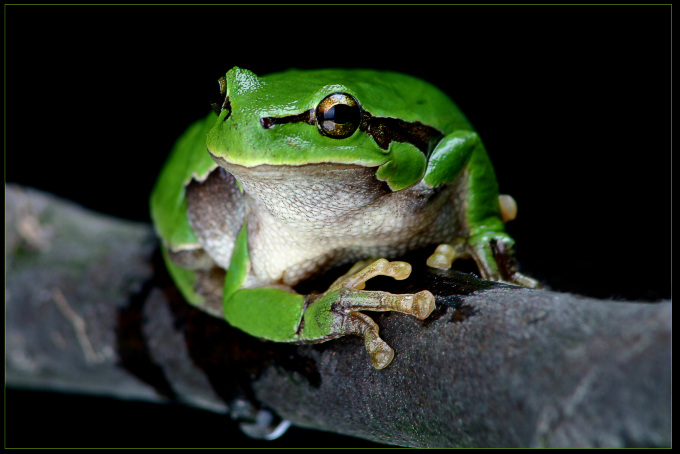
313 189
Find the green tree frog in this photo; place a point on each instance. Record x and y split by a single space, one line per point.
302 171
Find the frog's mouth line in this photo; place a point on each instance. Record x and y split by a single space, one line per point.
285 168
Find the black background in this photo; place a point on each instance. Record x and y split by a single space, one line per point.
573 105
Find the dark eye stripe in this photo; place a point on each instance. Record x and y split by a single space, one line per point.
387 129
382 129
305 117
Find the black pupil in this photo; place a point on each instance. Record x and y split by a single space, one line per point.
341 114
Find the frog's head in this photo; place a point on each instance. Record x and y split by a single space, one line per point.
380 120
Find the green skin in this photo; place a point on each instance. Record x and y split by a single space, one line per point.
237 140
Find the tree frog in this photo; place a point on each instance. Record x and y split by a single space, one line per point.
302 171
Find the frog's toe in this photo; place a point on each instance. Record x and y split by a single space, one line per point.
442 257
381 355
445 254
423 304
420 304
525 281
362 325
362 272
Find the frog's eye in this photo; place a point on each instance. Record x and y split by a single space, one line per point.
338 115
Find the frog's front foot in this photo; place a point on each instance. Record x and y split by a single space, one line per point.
337 313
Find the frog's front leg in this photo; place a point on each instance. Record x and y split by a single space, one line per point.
461 154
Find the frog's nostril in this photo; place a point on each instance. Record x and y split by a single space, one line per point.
267 122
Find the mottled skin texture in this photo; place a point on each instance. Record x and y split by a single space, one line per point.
319 169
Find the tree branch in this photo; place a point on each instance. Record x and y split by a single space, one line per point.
89 309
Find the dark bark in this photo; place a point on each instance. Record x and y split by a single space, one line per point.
89 309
